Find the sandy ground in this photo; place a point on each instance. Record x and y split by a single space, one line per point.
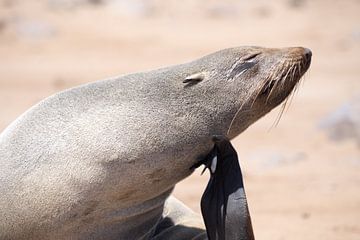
300 184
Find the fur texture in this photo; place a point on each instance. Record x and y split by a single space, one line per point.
99 160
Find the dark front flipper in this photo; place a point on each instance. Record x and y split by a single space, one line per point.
223 204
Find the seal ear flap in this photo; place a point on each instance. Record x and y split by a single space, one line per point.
223 204
195 78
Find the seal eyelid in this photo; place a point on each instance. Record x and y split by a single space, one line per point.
251 57
241 67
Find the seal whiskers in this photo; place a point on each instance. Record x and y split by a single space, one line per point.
235 115
282 80
293 72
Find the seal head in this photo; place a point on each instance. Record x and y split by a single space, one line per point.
255 79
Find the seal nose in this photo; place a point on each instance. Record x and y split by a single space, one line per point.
299 52
307 54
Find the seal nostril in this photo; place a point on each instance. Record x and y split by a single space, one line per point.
307 53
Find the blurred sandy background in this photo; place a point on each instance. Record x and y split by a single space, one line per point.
302 177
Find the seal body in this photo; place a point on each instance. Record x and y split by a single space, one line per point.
98 161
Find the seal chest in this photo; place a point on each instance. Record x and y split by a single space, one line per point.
99 160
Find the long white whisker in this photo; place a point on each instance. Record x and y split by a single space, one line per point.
233 119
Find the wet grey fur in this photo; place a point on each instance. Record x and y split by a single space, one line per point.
98 161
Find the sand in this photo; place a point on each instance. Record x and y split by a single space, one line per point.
300 184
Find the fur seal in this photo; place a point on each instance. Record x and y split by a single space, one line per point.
98 161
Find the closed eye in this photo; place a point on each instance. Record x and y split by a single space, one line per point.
242 67
251 57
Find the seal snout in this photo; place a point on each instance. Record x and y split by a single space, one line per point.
283 79
300 54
